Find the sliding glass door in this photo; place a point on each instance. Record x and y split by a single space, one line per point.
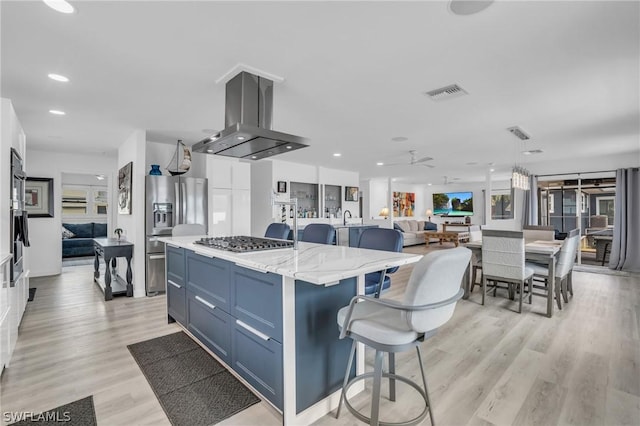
585 201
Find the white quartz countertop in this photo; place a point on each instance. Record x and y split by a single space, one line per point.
315 263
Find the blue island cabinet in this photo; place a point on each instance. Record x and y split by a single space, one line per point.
239 314
176 292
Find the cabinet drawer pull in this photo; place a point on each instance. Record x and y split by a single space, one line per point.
172 246
208 256
205 303
174 284
252 330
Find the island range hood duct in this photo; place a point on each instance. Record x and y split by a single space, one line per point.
247 133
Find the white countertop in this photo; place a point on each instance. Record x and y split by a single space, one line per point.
315 263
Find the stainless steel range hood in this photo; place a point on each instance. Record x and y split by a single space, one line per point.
247 133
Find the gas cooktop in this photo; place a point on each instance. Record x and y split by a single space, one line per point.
243 244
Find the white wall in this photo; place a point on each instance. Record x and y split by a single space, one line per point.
134 150
45 232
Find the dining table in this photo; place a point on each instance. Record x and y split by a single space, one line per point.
540 251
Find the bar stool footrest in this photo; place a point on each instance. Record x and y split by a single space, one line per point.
366 419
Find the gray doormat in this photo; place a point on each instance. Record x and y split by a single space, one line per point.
77 413
192 387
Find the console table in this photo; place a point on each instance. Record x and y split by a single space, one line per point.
110 249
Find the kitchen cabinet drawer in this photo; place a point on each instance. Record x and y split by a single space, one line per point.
175 264
258 359
211 325
176 301
209 277
257 300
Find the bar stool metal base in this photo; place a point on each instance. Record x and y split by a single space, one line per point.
411 383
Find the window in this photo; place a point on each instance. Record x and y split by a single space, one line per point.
606 206
84 201
501 206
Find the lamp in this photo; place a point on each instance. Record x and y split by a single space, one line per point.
429 213
384 212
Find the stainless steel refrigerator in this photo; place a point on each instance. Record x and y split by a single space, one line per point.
171 200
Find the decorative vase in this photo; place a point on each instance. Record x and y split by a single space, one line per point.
155 170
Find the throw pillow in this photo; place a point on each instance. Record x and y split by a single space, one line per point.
395 226
430 226
67 234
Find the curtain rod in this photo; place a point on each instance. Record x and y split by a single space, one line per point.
576 173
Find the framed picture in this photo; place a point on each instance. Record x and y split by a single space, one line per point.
282 186
351 193
124 189
38 197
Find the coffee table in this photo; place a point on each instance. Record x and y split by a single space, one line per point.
449 236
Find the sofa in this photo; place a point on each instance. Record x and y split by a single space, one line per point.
413 231
77 238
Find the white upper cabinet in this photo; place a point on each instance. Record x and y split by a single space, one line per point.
228 173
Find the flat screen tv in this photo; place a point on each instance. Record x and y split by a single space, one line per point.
453 204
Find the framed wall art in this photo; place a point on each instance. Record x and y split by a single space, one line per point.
124 188
38 194
351 193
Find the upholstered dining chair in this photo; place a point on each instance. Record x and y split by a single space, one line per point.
564 266
538 232
320 233
389 326
503 261
277 230
380 239
188 229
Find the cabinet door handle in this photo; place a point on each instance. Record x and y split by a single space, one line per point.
174 284
172 246
205 303
252 330
156 256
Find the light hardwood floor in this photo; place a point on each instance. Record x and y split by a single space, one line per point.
488 365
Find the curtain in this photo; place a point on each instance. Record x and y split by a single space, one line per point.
625 248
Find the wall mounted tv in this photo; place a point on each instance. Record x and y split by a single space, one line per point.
453 204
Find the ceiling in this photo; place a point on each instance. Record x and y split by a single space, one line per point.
354 74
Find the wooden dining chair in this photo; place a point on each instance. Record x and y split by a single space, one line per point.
503 261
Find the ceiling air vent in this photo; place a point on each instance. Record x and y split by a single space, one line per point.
447 92
519 133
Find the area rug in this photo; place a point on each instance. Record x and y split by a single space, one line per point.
77 413
192 387
32 294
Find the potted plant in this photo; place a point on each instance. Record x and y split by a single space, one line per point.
118 232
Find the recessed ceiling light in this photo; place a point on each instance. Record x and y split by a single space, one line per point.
210 151
58 77
61 6
394 179
379 164
56 112
288 147
337 154
253 157
468 7
240 138
399 139
100 177
429 184
492 170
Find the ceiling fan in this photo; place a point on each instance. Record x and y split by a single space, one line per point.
413 161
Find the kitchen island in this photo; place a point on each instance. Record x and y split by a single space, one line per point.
270 316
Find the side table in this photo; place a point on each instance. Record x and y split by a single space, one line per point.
110 249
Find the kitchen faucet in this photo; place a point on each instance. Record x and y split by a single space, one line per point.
344 217
293 202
